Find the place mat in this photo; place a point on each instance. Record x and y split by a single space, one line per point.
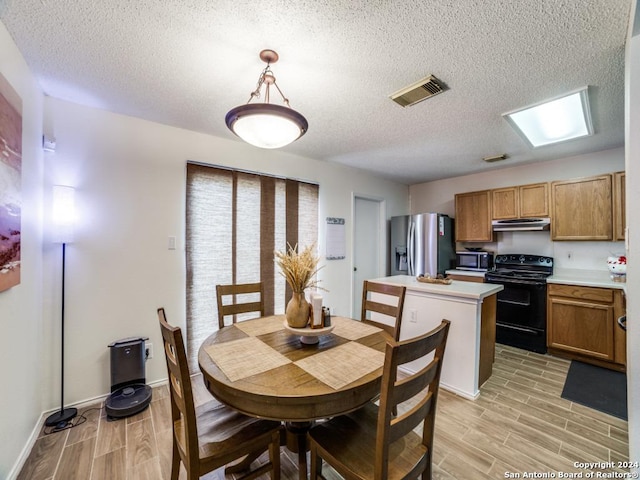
343 364
245 357
261 326
352 329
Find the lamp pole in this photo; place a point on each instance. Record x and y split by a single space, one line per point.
63 215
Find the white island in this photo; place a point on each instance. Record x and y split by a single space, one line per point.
471 308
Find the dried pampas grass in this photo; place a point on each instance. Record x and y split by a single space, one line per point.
299 269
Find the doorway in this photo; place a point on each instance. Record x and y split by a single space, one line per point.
369 242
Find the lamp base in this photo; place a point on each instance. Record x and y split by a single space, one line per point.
61 416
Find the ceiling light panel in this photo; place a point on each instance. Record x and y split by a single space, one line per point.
552 121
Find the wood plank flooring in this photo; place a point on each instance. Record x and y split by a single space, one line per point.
518 424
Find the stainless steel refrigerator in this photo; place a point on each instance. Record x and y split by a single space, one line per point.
422 244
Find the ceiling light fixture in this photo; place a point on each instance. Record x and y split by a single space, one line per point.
262 124
552 121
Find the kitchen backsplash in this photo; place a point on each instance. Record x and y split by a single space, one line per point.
579 255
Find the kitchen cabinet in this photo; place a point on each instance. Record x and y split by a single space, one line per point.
473 217
523 201
582 324
619 212
582 209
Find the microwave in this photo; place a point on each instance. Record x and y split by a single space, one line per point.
477 261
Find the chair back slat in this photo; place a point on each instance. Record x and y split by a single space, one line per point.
372 309
420 388
182 406
245 304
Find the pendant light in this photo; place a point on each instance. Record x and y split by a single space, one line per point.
263 124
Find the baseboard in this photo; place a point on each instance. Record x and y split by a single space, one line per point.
26 450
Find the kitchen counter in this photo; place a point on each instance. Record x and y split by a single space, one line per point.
585 278
471 309
457 288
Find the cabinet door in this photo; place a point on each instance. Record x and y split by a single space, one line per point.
473 217
534 200
582 209
581 327
620 214
505 203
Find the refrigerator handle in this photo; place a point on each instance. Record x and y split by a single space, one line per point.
411 248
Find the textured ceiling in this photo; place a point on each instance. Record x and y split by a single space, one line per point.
187 62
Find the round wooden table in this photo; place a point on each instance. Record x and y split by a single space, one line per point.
286 390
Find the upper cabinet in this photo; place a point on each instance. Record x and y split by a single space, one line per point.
473 217
619 212
520 202
582 209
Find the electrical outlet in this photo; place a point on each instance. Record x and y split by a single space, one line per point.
413 316
148 352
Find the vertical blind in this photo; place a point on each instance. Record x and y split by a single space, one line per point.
234 222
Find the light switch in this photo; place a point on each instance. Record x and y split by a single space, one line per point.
172 243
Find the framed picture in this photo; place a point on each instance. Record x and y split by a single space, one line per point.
10 184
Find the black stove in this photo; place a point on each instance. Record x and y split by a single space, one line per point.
521 315
521 266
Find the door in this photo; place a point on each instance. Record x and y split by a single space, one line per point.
367 246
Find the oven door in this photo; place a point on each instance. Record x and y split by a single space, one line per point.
521 314
522 304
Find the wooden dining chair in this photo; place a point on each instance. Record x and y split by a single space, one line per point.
212 435
373 309
371 443
237 306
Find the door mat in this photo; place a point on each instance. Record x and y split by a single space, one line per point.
598 388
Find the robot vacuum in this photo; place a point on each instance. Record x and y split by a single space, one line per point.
129 393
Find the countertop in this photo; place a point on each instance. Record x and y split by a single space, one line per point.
570 276
585 278
468 290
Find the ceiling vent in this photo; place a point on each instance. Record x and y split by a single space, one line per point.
495 158
421 90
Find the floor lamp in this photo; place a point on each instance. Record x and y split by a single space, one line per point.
63 219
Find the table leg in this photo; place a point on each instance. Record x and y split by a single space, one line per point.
297 443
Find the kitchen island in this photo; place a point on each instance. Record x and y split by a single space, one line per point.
471 308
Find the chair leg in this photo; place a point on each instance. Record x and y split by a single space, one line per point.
175 462
274 454
316 463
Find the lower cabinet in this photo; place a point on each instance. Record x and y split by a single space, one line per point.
582 324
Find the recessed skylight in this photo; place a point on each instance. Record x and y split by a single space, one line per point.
552 121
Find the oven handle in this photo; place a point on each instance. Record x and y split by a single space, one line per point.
520 329
513 281
512 302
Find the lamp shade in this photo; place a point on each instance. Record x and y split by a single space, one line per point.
265 125
63 216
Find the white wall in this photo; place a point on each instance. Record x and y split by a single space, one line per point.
21 306
439 196
632 127
130 180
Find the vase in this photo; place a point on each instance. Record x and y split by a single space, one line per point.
298 310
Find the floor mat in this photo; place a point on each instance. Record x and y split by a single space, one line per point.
598 388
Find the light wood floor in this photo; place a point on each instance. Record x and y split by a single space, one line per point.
518 424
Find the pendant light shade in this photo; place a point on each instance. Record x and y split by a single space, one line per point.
266 125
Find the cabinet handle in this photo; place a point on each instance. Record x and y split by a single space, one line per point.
622 321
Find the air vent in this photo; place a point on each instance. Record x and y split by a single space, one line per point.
495 158
425 88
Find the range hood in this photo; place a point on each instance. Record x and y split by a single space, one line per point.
521 224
